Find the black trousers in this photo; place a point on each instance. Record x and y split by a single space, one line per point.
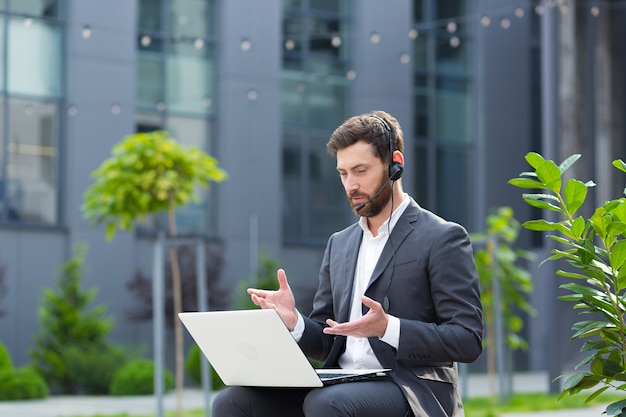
352 399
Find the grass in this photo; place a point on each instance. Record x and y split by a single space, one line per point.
474 407
530 402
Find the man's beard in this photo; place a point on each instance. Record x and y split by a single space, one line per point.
375 206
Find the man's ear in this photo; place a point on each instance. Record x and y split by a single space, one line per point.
398 157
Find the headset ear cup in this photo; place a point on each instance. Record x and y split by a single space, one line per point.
396 170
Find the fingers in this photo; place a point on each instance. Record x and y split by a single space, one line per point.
262 302
282 280
368 302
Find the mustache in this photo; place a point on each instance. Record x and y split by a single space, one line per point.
354 194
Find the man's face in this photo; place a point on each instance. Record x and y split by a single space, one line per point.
362 175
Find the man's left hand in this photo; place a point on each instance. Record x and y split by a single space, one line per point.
372 324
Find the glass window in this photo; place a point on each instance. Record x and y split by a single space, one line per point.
314 99
34 57
189 79
454 111
333 6
175 71
44 8
454 180
314 211
453 58
292 98
443 107
418 10
420 57
421 116
29 192
326 104
326 198
149 15
193 218
190 17
150 69
422 169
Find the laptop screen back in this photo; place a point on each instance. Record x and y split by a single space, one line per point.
250 348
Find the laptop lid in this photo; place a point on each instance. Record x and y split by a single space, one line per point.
254 348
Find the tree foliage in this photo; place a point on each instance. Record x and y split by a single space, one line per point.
67 321
596 250
147 173
497 257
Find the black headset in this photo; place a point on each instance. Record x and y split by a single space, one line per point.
395 168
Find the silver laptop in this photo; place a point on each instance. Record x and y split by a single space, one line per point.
254 348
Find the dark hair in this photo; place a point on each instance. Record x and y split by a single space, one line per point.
369 129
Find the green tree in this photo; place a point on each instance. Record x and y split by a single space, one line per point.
498 259
595 247
68 322
149 173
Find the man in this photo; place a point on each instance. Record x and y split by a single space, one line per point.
396 291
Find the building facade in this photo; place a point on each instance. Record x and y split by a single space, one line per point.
261 85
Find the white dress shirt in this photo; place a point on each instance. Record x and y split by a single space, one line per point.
359 353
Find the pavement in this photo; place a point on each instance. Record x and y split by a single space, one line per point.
194 399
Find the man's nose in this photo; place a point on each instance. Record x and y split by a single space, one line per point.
351 183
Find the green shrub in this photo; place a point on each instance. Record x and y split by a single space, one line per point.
5 359
22 384
137 378
193 367
67 319
93 368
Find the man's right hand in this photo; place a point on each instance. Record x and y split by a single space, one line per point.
281 300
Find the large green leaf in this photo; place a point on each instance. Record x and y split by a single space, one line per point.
536 200
550 175
534 159
575 194
586 328
526 183
565 165
616 408
618 254
619 164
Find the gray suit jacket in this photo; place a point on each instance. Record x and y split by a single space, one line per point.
426 277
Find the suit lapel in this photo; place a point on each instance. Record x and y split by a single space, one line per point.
347 278
400 231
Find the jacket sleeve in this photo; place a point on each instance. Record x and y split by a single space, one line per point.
314 342
453 330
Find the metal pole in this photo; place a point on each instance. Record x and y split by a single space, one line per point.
158 322
549 133
203 305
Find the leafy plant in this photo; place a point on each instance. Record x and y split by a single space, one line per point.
3 287
595 247
93 367
149 173
22 384
66 322
6 363
498 259
193 366
137 378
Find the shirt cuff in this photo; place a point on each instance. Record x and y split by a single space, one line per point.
299 329
392 333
